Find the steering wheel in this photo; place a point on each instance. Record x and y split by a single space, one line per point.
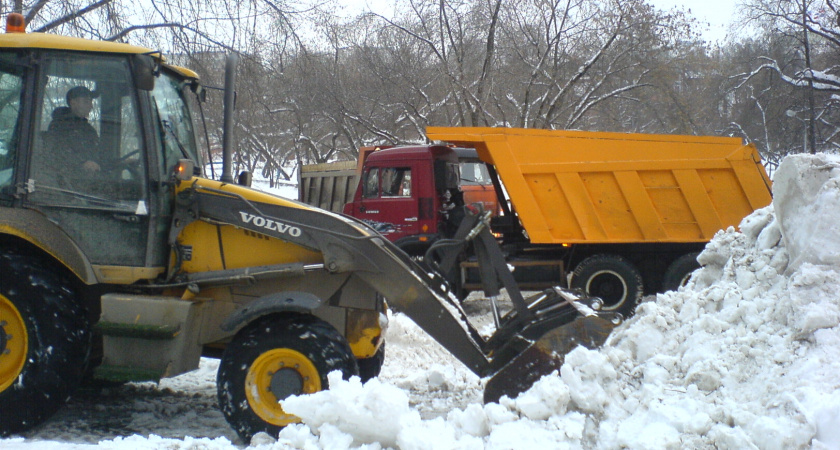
124 169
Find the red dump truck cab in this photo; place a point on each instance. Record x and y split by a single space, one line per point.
402 193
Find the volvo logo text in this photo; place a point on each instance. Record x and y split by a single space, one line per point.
270 224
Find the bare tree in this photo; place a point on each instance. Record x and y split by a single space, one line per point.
814 27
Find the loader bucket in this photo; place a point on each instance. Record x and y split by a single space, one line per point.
547 353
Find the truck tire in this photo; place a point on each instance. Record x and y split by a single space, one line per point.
45 339
271 359
680 271
611 278
370 367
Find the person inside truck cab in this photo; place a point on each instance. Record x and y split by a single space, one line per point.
71 129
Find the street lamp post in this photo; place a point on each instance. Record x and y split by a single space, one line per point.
806 148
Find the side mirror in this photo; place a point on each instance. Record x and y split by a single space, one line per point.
143 68
199 91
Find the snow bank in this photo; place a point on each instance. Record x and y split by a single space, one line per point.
745 356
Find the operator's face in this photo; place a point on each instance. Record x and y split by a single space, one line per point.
81 106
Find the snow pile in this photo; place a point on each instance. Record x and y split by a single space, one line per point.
745 356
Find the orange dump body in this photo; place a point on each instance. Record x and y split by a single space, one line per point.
592 187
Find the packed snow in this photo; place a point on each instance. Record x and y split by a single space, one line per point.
745 356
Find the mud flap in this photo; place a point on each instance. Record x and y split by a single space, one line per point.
546 355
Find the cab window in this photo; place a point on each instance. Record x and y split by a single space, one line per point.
86 150
174 122
475 174
371 184
396 182
11 83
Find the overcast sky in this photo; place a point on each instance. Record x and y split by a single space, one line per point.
717 13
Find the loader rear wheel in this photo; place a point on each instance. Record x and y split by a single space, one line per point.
44 342
271 359
680 271
611 278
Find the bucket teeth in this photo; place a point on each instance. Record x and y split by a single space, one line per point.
546 355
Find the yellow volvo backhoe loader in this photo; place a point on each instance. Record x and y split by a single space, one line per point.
119 261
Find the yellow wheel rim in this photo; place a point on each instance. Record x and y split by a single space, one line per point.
13 343
275 375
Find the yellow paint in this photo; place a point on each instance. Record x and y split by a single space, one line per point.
13 356
56 42
7 229
258 383
593 187
218 247
125 274
363 332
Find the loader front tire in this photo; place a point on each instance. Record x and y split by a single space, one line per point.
271 359
611 278
44 342
680 271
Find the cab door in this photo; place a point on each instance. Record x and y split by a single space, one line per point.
388 202
103 207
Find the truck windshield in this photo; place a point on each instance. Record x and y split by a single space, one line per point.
475 174
173 117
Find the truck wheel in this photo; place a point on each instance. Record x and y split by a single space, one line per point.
44 342
680 271
611 278
271 359
370 367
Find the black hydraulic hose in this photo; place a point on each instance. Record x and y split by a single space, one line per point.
430 253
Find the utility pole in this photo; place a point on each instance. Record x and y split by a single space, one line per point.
812 141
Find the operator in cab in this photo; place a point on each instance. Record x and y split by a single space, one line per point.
70 124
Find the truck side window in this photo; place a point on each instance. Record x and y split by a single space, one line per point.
371 186
396 182
447 175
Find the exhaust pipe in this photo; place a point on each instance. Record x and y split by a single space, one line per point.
227 126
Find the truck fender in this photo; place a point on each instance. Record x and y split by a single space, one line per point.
294 301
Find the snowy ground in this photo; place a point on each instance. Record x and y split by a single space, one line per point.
746 356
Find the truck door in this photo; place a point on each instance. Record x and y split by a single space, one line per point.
87 171
388 202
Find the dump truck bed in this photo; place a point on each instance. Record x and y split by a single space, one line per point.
328 185
573 187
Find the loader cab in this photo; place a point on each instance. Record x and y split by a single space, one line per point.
89 139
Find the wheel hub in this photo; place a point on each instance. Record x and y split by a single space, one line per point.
275 375
286 382
13 343
609 287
